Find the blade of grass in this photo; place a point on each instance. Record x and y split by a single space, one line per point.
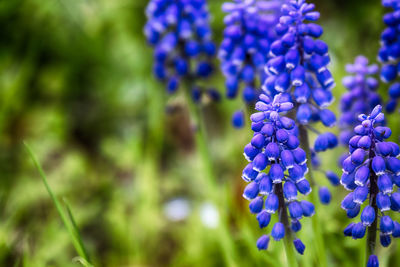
68 222
76 232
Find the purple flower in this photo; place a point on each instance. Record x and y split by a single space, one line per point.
245 46
389 53
180 34
361 97
276 170
298 69
299 64
371 170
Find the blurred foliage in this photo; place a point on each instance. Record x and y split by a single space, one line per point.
76 82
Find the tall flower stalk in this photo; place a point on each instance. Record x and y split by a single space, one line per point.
245 47
299 71
361 97
276 175
389 53
370 172
180 33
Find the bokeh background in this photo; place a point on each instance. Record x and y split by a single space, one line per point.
76 84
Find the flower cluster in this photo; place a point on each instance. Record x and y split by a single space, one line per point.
180 33
370 171
245 47
276 171
389 53
361 97
298 69
299 64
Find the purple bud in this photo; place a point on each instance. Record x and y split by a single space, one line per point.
296 226
358 231
378 165
347 202
299 246
256 205
304 187
332 177
364 142
385 184
360 194
348 230
324 195
362 176
373 261
308 208
386 225
251 191
262 242
383 201
278 231
395 201
357 157
385 239
260 162
276 173
263 218
271 203
258 141
282 136
368 215
393 164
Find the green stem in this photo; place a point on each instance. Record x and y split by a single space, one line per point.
283 218
68 222
76 229
371 234
315 221
200 138
209 177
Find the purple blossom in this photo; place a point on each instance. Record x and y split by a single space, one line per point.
361 97
370 171
180 34
389 53
276 169
245 47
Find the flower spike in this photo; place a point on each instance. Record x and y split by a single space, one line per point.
276 171
370 171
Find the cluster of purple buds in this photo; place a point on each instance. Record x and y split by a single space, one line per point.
245 47
180 33
298 69
276 172
389 53
361 97
370 172
298 66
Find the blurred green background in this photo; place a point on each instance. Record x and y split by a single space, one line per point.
76 83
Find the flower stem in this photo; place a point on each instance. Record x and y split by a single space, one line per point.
371 234
316 223
200 138
209 177
283 218
68 220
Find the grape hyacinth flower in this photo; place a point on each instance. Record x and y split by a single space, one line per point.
361 97
180 33
244 49
275 174
299 70
389 53
370 172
